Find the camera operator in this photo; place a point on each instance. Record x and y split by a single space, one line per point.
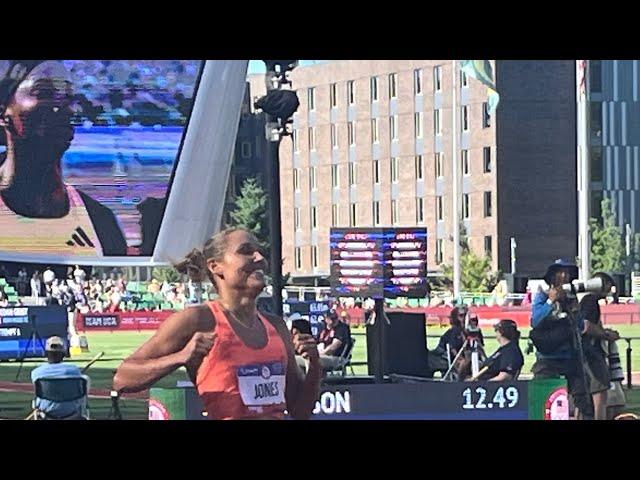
454 337
506 362
555 332
593 346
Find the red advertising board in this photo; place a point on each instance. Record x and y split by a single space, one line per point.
120 321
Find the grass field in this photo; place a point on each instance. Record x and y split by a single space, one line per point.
119 345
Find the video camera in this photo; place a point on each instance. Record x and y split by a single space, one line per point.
472 332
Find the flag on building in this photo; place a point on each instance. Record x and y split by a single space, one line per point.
482 71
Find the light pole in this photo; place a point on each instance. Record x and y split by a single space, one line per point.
279 105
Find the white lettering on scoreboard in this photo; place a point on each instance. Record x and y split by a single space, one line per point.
333 402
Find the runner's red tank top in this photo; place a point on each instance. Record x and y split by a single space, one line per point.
239 382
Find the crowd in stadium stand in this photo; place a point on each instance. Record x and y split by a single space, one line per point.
111 294
124 92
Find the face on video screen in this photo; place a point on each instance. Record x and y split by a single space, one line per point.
87 152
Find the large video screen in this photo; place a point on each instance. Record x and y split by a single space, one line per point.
87 152
378 262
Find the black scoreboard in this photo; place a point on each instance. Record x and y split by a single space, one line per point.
378 262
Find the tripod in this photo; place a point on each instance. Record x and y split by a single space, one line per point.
35 337
474 357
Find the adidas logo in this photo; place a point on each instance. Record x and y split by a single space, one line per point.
80 239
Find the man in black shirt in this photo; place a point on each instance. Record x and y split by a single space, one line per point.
505 364
334 341
596 366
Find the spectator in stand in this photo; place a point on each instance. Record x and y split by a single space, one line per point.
23 282
48 277
4 300
36 285
527 300
79 275
154 287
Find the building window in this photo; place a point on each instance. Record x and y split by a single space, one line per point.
335 180
312 138
437 78
296 218
465 118
335 215
394 169
314 217
393 85
439 163
294 138
314 256
376 171
595 169
596 203
419 167
463 79
437 127
595 110
465 162
353 221
420 210
595 76
351 92
417 82
311 96
439 251
298 258
334 135
417 124
352 174
312 178
374 130
488 250
351 131
465 206
376 213
486 118
333 94
296 179
245 149
487 204
393 127
374 89
394 212
439 208
486 159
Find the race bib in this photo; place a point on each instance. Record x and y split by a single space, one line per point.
262 384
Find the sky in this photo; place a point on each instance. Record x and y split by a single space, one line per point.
257 66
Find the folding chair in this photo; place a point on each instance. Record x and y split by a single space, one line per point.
62 389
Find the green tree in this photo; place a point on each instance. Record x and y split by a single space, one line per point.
250 211
607 248
168 274
475 270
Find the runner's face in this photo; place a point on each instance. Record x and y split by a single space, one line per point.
39 113
243 265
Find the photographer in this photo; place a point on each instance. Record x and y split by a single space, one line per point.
555 329
593 346
506 362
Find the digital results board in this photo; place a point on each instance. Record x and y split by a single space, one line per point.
378 262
